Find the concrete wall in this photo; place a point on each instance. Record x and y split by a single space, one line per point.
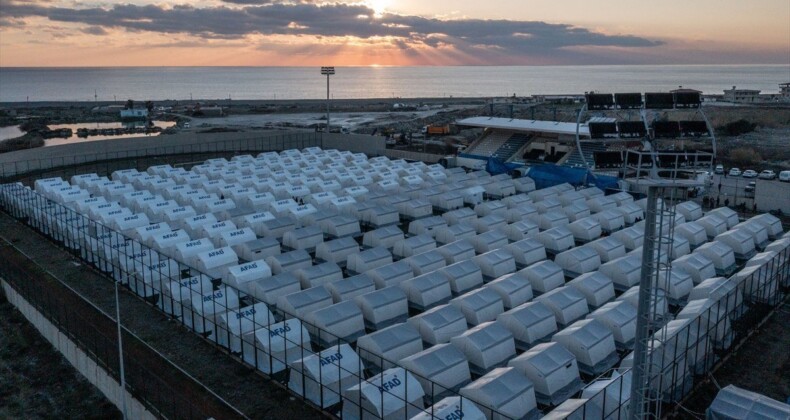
357 143
42 158
405 154
86 366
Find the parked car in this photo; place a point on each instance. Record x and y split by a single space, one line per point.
719 169
735 172
751 186
767 174
784 176
749 173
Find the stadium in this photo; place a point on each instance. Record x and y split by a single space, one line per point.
506 282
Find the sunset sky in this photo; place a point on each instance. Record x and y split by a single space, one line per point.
392 32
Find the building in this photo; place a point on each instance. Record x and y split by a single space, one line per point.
784 92
741 95
134 114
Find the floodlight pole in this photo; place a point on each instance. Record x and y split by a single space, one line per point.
328 71
120 352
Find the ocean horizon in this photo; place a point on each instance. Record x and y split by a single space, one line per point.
44 84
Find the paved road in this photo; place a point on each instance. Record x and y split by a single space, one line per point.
769 195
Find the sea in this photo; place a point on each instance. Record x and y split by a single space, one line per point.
272 83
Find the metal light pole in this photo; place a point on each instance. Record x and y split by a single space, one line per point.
328 71
120 351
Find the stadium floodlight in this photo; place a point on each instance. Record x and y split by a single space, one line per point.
327 71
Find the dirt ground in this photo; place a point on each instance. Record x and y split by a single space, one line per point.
36 381
762 365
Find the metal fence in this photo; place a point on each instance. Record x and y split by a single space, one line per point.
317 366
150 376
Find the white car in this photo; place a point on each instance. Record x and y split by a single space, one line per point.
719 169
735 172
767 174
749 173
784 176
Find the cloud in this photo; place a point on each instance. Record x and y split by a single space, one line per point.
242 18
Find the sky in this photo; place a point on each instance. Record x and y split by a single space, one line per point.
59 33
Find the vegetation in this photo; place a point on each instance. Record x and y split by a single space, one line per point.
736 128
745 157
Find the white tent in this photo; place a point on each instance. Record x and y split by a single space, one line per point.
727 214
348 288
179 293
258 249
585 230
522 213
277 227
733 403
530 324
684 335
723 290
690 210
698 266
270 289
452 233
306 238
556 240
771 223
721 255
601 203
441 369
596 288
550 219
200 316
462 215
552 370
426 262
711 317
632 237
659 306
337 250
277 346
391 274
526 252
479 306
669 370
489 207
677 284
624 271
381 348
244 276
215 262
440 324
490 222
320 274
608 248
577 261
620 318
758 231
299 304
631 213
322 377
413 245
383 307
567 304
576 211
486 346
342 321
452 408
385 236
591 343
289 261
489 241
380 216
463 276
713 225
367 260
503 393
392 394
544 276
239 325
570 409
426 291
611 220
514 289
340 227
457 251
610 397
496 263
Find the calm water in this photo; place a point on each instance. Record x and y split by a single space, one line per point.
76 139
141 83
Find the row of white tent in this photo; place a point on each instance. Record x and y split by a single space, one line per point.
422 283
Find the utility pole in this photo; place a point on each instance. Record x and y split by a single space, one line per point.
120 352
328 71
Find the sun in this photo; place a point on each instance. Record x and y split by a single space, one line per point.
378 6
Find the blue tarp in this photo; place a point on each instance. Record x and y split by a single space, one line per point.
550 175
496 166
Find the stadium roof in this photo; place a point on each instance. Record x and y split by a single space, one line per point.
554 127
